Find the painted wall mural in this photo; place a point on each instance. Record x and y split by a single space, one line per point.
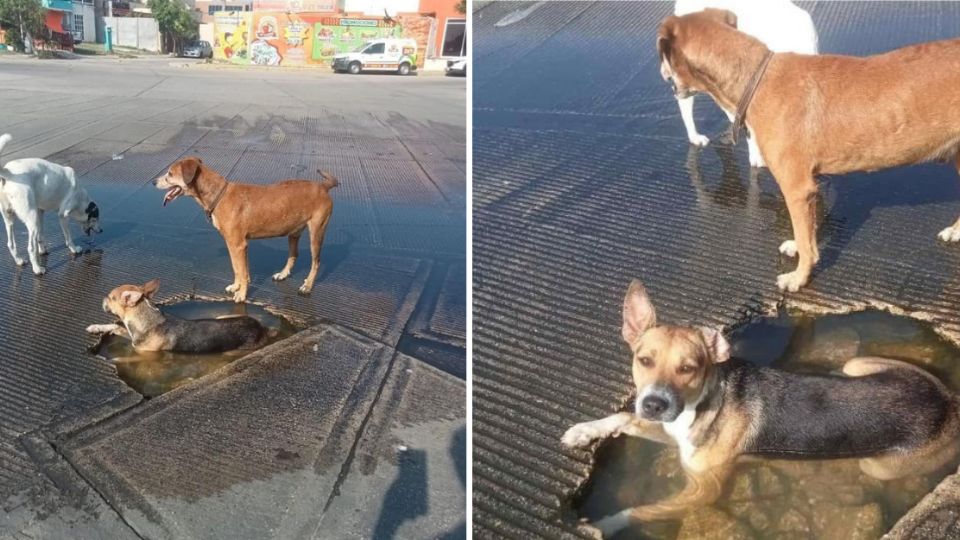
231 36
281 38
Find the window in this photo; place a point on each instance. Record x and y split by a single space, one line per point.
455 38
376 48
78 25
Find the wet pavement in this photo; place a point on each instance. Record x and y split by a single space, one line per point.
583 179
278 436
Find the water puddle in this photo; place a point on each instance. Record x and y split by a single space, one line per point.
154 373
776 498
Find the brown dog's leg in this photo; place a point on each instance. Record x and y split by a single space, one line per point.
318 229
702 488
292 240
800 192
952 233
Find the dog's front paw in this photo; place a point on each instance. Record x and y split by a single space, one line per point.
580 435
76 250
305 289
240 297
950 234
699 140
39 271
100 328
588 529
20 261
789 248
232 288
280 276
791 281
42 249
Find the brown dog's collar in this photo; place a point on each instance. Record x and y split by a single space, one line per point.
748 95
216 201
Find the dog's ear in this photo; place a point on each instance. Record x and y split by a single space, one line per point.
130 298
665 36
717 345
189 168
727 17
150 287
638 313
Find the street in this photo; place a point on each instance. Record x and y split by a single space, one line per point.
317 433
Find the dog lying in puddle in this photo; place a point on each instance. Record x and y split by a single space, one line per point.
151 330
897 419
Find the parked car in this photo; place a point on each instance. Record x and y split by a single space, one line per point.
387 54
457 67
198 49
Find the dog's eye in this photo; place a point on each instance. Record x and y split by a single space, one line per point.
685 369
645 361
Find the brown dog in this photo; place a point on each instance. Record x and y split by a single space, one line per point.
823 114
243 212
896 418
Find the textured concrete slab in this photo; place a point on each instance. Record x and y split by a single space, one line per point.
583 179
207 449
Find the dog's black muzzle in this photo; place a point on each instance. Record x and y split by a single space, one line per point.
659 403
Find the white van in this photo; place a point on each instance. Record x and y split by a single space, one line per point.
385 54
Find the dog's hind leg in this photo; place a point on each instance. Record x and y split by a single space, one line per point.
686 113
318 229
41 244
292 241
952 233
8 220
30 219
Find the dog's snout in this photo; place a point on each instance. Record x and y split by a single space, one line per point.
653 406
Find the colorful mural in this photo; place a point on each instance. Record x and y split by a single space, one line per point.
231 35
280 38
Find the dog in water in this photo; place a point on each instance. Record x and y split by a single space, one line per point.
243 212
150 330
28 188
898 419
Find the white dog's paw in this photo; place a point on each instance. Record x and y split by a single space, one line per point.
789 248
580 435
950 234
39 270
42 249
76 250
280 276
305 289
699 140
791 281
20 261
232 288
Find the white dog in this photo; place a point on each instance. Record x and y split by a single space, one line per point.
780 25
28 187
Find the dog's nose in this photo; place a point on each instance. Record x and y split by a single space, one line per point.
653 406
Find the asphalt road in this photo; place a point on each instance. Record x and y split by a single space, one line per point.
317 433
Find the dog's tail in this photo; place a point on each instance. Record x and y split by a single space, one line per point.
329 181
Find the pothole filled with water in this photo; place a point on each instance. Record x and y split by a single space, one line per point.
155 373
767 499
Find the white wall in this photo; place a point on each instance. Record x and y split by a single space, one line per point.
376 7
136 32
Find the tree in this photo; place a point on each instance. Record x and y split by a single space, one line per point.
22 19
175 21
461 6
